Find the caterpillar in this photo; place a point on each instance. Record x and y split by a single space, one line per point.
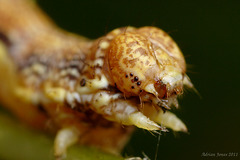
88 91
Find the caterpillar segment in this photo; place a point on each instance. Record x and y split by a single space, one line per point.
88 91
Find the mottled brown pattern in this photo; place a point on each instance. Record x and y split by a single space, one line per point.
131 44
129 50
132 62
167 42
125 61
147 62
141 50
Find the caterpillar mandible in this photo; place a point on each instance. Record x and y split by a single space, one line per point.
86 90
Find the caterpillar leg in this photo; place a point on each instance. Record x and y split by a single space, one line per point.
65 138
121 110
168 119
141 121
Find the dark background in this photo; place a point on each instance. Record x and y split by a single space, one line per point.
208 35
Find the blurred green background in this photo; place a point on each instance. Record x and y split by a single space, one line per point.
208 35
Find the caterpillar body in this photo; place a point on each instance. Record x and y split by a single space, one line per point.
87 90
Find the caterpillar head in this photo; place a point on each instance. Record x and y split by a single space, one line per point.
146 61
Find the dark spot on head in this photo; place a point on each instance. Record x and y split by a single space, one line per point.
138 83
83 82
141 90
131 74
135 78
132 87
126 76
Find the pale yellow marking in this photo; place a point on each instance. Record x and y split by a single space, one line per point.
110 37
27 71
24 94
116 31
55 94
39 68
98 62
63 73
104 45
74 72
93 85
